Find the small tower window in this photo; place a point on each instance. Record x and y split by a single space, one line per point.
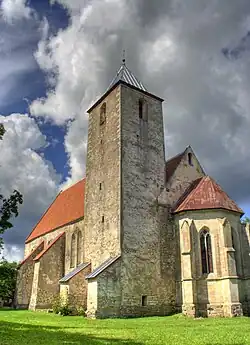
144 301
140 108
103 114
100 186
206 252
190 158
102 219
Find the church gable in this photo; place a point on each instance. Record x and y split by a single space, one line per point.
68 207
181 171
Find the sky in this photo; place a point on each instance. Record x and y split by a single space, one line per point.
57 57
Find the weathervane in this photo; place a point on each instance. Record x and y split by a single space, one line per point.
123 57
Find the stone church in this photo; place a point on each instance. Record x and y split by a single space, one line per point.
139 235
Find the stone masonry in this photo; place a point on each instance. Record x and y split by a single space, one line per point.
146 237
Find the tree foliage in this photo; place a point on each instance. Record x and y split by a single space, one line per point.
2 131
8 206
245 220
8 271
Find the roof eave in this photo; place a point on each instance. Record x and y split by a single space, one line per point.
57 228
126 84
208 209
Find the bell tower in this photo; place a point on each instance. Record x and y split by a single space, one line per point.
125 172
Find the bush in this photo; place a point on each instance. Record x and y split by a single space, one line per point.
61 307
80 311
56 305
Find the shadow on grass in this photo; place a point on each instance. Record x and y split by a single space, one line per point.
15 333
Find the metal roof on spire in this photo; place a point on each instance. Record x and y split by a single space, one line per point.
127 76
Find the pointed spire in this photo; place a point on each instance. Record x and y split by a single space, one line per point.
124 74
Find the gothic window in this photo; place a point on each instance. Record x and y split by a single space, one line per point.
79 247
73 251
206 252
103 114
190 160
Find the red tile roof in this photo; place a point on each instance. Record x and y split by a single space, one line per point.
172 164
48 247
205 193
67 207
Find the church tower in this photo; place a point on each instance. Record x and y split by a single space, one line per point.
125 173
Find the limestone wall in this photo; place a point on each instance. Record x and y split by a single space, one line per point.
147 240
46 277
69 230
24 280
216 293
102 190
78 289
104 293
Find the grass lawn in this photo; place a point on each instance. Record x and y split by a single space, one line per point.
25 327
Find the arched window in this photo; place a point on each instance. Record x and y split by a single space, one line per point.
190 158
103 114
206 252
79 247
73 251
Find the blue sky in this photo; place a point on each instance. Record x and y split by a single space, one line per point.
57 57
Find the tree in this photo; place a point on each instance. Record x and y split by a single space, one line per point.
2 131
8 206
245 220
8 271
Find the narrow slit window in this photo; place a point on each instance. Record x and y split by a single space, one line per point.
190 159
102 219
140 109
100 186
144 300
103 114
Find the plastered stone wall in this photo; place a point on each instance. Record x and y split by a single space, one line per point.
69 230
30 246
216 293
107 291
102 190
183 176
49 270
145 231
78 289
24 280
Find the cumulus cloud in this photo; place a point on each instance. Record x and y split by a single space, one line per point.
194 54
178 50
12 10
22 168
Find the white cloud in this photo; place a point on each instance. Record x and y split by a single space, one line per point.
12 10
22 168
176 49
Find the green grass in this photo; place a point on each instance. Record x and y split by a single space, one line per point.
38 328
